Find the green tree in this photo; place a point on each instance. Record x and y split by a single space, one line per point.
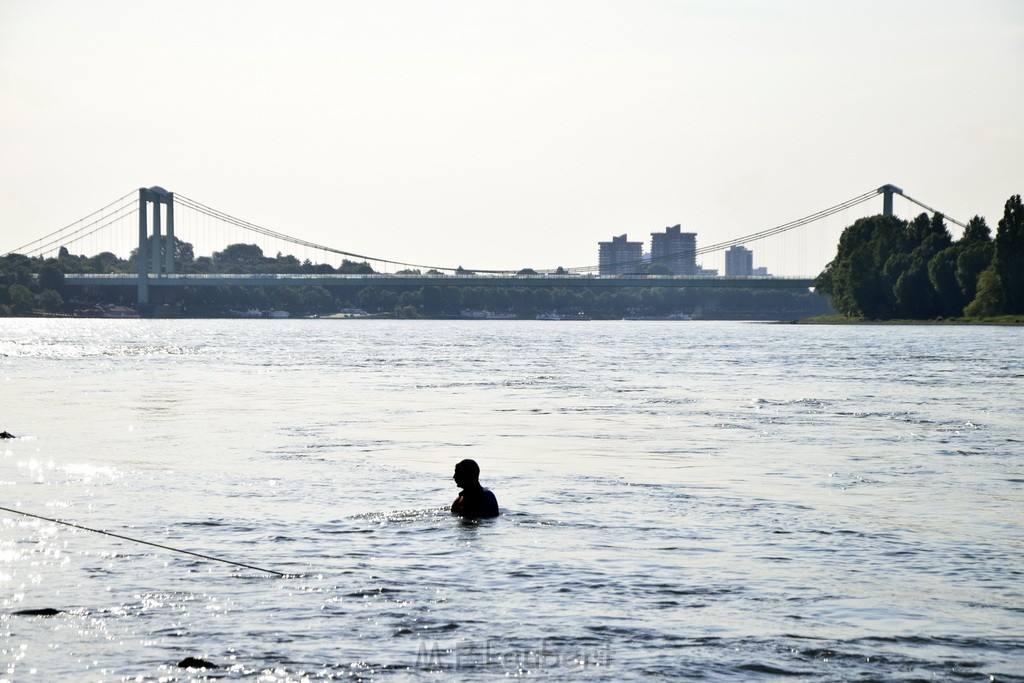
106 262
973 255
21 300
886 268
286 263
989 299
184 254
282 296
942 276
355 267
316 298
1000 286
239 258
51 301
976 231
50 277
406 312
869 261
916 296
313 268
377 299
203 264
434 300
1009 255
973 258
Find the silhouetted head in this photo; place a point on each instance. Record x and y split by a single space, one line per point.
467 472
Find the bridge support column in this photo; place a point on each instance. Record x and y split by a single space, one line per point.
143 253
150 249
169 240
157 244
887 191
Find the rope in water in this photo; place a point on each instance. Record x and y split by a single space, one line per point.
139 540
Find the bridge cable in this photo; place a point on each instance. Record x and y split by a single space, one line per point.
80 234
928 208
220 215
785 227
87 216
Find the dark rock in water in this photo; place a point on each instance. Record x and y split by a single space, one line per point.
196 663
44 612
7 435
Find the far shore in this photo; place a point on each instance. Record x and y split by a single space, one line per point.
843 320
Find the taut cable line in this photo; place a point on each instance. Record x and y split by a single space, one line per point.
106 217
227 218
785 227
80 234
720 246
139 540
75 235
928 208
219 215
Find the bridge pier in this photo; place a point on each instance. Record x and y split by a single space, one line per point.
887 191
149 253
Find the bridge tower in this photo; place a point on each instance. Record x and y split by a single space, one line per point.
150 250
887 191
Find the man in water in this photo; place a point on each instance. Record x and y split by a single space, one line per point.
474 500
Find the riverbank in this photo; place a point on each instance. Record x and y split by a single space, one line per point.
843 320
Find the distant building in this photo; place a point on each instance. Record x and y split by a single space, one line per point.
619 256
739 262
675 250
761 271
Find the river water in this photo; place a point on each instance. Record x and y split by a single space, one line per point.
725 501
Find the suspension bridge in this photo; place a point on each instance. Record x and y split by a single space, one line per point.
154 224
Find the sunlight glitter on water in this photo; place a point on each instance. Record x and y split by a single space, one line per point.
723 500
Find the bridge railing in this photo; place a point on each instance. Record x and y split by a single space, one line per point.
431 276
412 280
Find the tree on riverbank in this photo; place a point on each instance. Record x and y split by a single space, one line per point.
1001 284
888 268
29 285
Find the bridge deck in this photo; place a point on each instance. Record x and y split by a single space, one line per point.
382 280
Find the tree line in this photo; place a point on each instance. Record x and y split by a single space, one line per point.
887 268
30 284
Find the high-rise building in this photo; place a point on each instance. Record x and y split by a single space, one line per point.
739 262
675 250
619 256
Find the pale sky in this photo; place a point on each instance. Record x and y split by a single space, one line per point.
508 134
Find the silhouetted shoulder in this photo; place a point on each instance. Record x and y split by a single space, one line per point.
479 503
